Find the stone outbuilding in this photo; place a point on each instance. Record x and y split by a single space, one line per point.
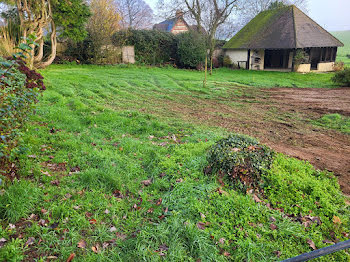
283 39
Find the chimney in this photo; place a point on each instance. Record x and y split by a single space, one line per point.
179 14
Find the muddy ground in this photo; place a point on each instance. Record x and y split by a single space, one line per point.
281 118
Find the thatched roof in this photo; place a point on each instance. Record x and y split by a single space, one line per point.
282 28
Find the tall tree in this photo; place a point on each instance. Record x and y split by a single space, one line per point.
35 16
208 14
136 14
104 22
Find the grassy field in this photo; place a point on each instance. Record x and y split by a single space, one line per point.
105 181
343 36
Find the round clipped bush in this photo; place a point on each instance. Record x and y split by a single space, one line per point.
243 159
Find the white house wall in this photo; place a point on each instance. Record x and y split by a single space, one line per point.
237 55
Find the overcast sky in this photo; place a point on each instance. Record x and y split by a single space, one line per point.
333 15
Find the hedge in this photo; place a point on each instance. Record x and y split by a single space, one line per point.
19 90
153 47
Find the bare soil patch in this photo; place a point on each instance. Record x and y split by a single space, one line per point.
280 118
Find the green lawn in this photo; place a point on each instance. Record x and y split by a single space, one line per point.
107 182
334 121
343 36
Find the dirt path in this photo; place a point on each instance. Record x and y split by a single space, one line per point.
280 118
325 149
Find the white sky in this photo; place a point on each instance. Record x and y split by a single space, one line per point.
333 15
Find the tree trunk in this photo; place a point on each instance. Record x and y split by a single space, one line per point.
52 56
205 71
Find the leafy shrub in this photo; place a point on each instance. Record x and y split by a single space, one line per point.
227 62
348 56
240 157
191 49
151 46
301 57
338 66
19 90
342 77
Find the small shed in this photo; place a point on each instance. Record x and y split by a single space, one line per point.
274 38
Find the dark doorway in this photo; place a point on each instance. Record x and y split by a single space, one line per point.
276 58
315 57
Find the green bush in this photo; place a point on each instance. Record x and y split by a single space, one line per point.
243 159
227 61
342 77
151 46
19 90
191 49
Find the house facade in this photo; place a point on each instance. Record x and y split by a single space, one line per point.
174 25
283 39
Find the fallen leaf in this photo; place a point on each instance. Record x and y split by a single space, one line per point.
226 254
32 217
146 182
222 240
273 227
311 244
95 249
180 180
2 241
76 207
112 229
201 225
43 211
256 198
277 253
55 182
42 222
272 219
71 257
202 215
88 214
150 211
51 257
11 226
30 241
82 244
106 211
121 236
93 221
159 202
51 157
336 220
105 245
32 156
163 247
68 195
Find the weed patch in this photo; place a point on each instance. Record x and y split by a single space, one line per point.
334 121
